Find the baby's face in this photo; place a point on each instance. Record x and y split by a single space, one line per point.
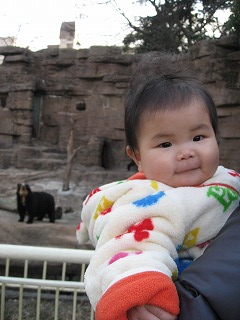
178 147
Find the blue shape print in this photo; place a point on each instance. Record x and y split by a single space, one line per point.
149 200
183 263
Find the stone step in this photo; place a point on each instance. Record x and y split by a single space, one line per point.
44 163
54 155
100 176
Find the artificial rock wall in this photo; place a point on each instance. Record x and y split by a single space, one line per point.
45 94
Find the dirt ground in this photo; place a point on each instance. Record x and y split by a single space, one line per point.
47 310
42 233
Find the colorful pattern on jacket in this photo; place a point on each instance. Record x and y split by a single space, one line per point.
144 228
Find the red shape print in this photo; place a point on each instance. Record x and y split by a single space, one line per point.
106 211
204 244
92 193
121 255
78 226
140 230
234 174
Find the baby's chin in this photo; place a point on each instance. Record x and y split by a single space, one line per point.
191 179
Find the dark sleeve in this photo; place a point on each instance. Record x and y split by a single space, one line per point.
210 287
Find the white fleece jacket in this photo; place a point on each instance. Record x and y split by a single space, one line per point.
142 227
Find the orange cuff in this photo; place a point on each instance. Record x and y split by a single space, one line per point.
153 288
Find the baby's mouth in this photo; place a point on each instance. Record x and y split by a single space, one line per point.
187 168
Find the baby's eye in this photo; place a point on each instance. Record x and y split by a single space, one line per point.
198 138
165 145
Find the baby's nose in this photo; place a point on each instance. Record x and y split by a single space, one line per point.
185 154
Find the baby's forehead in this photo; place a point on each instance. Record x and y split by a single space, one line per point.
158 109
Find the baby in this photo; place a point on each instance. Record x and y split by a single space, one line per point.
148 228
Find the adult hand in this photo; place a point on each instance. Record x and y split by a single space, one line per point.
149 312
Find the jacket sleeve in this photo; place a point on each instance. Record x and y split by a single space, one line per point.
134 258
209 288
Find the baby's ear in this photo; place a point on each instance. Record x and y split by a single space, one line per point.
133 154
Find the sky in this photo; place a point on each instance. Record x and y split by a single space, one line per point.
36 23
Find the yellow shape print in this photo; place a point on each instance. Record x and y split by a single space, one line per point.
175 274
154 185
103 204
190 238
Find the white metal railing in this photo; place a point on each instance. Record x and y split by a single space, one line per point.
27 255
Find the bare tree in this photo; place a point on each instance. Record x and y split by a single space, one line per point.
71 153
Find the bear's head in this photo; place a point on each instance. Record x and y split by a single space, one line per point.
23 190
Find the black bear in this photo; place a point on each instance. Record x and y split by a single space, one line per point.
35 204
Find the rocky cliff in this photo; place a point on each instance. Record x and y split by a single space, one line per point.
44 94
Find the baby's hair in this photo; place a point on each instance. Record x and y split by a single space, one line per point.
152 91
